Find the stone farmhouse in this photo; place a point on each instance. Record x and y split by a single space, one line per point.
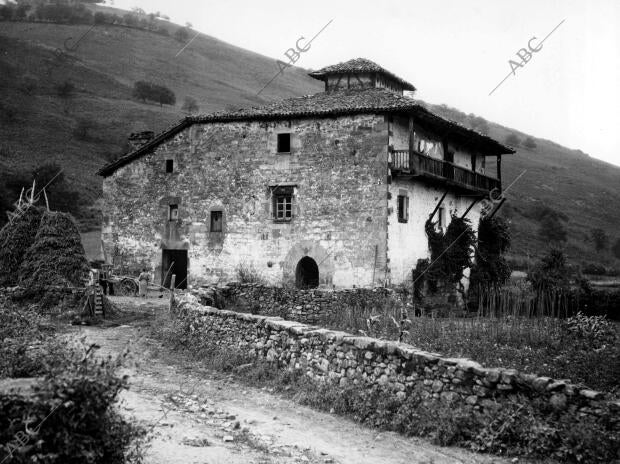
329 190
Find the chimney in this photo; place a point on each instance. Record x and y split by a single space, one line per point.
137 139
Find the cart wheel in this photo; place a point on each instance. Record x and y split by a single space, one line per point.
128 288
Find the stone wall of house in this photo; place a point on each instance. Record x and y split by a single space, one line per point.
337 168
312 306
342 358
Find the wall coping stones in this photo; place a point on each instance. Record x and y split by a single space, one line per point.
362 343
281 324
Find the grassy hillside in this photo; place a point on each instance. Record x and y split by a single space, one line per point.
39 126
89 125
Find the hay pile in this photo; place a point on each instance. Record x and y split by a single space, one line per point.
15 240
56 258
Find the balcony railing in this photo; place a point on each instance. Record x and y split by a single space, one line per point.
417 164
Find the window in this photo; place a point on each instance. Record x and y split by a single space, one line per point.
282 203
169 166
173 212
216 221
403 208
284 143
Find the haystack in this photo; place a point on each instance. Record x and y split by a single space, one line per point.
56 258
15 239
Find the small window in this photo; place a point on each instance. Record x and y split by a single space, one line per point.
216 221
284 143
403 208
173 212
282 203
169 166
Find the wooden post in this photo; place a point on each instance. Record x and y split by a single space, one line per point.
411 144
470 207
499 170
172 283
430 217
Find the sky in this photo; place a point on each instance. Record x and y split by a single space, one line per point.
455 52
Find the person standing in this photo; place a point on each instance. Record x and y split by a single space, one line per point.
143 283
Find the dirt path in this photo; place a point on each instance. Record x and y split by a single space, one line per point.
201 416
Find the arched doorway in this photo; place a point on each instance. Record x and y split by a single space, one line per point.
307 273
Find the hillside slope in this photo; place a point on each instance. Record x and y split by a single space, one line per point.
90 125
40 126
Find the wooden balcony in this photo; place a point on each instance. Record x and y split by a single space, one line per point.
406 163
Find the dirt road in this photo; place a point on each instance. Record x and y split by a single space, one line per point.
200 416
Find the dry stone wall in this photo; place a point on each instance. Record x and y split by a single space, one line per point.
304 305
342 358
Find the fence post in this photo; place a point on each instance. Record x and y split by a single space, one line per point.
172 283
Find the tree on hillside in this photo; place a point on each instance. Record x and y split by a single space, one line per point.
529 143
512 140
616 248
182 34
552 229
551 273
144 90
478 123
100 17
190 105
600 240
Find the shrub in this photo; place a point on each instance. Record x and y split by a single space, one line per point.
450 252
71 416
490 267
512 140
130 20
100 18
529 143
594 330
247 273
550 273
182 34
551 229
144 90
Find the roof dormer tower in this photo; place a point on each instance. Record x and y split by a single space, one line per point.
360 73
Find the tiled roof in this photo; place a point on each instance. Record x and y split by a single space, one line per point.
358 65
327 104
321 104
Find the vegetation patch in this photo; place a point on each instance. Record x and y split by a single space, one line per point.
70 415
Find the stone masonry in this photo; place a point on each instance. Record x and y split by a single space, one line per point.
342 358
